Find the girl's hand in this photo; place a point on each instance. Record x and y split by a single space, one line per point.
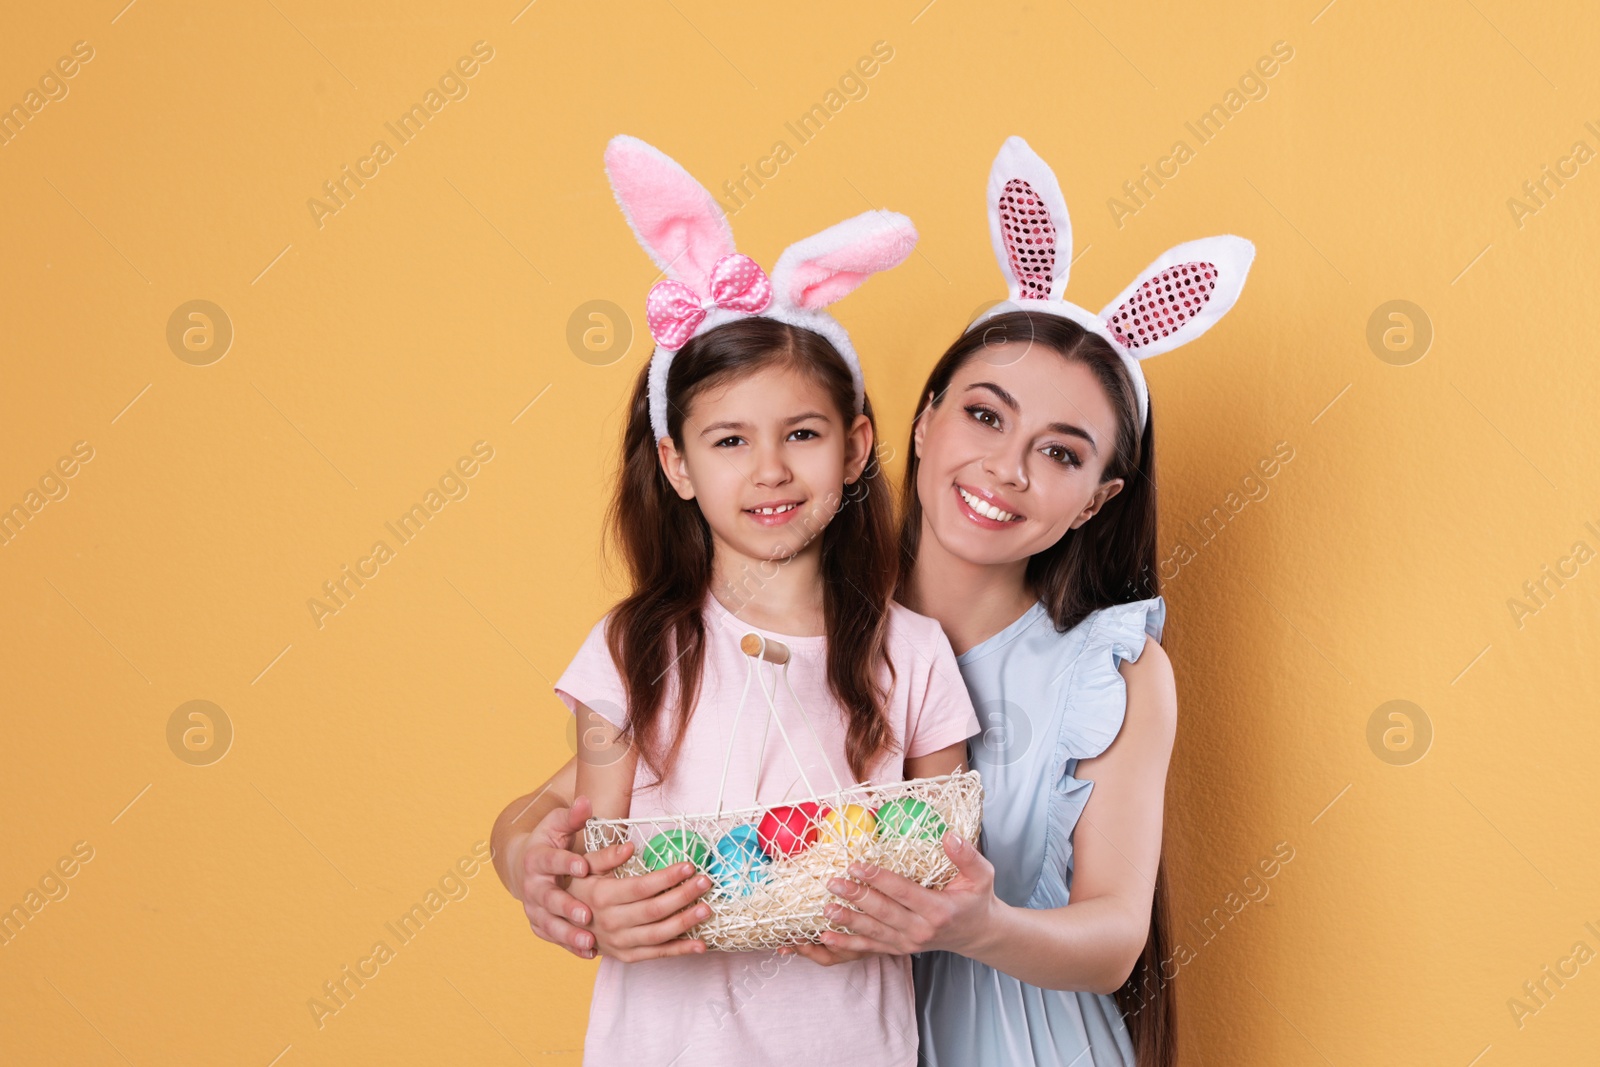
898 917
642 918
822 955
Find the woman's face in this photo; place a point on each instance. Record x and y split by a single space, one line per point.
1012 457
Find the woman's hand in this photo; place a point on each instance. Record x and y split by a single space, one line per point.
897 917
544 864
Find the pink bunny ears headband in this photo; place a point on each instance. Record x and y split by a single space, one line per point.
707 283
1174 300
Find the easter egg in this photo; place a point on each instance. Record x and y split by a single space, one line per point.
676 846
850 825
909 817
738 863
788 829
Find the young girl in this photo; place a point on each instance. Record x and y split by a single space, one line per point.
747 501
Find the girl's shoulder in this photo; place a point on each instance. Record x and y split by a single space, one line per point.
913 634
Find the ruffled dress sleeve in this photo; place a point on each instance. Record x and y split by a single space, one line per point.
1094 703
1095 699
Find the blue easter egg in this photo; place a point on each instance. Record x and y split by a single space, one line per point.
738 862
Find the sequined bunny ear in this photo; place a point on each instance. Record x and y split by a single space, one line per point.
1180 296
1028 223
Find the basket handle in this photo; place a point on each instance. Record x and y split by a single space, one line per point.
759 648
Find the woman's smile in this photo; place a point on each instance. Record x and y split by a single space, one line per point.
984 508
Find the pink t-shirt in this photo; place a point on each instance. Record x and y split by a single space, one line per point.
744 1008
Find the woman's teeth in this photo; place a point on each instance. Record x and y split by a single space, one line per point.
984 508
779 510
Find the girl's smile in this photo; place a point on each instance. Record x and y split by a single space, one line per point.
774 512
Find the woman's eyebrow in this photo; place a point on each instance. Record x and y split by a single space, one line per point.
1059 427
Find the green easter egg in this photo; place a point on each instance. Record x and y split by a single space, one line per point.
909 817
676 846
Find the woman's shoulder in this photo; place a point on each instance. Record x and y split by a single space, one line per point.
1095 698
1123 627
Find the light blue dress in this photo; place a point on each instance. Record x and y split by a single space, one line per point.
1046 700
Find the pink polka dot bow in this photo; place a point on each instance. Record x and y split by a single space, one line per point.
674 311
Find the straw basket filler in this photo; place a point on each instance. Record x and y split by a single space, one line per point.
770 866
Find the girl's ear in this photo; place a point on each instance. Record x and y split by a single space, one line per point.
1028 223
829 265
680 224
1181 295
861 442
673 466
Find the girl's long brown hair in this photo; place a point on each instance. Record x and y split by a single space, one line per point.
1111 559
656 635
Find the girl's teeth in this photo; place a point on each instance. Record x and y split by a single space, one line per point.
775 511
984 508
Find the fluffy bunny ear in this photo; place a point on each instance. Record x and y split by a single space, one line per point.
1181 295
1028 223
827 266
675 219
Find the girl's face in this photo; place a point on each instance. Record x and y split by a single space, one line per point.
1012 457
767 457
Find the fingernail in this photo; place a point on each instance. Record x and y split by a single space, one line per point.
576 868
955 839
702 912
702 883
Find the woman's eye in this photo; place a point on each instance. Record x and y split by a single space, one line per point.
984 415
1065 456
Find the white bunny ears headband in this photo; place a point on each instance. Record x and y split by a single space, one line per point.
1174 300
686 233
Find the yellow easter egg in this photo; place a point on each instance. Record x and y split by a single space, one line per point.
851 825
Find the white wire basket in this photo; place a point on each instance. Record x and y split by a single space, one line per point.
770 865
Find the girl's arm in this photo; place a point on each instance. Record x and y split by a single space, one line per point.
936 764
1092 943
605 765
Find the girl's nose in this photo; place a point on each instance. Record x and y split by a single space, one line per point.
771 466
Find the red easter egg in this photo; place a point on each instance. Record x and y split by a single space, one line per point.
788 829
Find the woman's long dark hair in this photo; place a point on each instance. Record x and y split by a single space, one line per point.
657 633
1111 559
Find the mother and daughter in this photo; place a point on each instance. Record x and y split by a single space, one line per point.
1013 621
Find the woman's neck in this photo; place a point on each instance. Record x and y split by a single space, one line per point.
783 596
971 601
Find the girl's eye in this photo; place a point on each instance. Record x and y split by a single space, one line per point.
987 416
1063 455
727 440
809 434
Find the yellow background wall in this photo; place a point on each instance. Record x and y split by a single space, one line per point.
373 346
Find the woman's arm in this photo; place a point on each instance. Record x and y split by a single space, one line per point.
1093 942
533 842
